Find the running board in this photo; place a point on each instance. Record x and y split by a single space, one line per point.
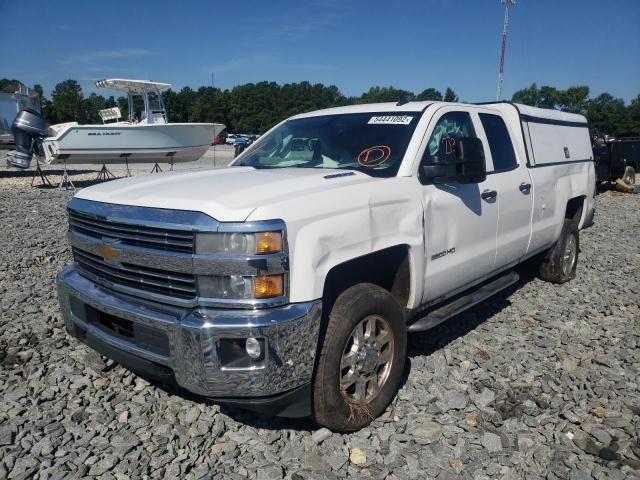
436 317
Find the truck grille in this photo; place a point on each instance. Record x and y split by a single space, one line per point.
145 279
137 235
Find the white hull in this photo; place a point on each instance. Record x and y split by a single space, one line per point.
115 143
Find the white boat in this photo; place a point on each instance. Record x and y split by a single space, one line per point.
145 136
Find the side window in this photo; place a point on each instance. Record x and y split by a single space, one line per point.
450 125
504 157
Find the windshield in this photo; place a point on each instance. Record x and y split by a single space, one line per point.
373 143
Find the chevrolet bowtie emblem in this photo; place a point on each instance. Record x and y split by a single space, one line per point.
107 252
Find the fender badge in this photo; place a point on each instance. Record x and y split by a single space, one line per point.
107 252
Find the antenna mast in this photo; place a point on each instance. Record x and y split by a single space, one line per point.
507 4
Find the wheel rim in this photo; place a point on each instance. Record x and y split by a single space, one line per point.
366 360
630 178
569 256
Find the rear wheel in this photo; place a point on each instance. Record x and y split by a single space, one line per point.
629 176
560 262
362 358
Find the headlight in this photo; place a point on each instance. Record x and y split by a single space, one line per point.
238 243
241 288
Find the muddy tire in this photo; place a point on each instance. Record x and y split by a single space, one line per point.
560 262
629 176
361 360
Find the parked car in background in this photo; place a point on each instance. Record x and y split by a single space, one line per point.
241 143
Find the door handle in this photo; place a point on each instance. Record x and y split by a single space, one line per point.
525 187
489 194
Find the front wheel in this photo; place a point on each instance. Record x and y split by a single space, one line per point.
560 262
629 176
362 358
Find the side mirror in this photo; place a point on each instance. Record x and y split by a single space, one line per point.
458 160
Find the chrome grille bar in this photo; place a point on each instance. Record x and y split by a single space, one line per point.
171 284
136 235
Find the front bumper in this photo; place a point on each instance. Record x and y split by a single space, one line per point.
183 346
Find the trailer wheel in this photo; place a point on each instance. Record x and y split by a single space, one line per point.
629 176
362 358
560 262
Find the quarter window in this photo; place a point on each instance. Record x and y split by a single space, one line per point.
502 152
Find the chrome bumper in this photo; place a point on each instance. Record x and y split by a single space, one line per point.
187 341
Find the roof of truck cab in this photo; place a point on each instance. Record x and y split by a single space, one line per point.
390 107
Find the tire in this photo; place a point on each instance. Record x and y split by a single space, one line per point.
629 176
338 402
560 262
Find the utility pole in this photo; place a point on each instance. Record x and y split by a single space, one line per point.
213 77
507 4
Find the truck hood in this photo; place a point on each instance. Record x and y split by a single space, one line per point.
228 195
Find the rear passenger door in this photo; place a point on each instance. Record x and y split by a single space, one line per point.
514 186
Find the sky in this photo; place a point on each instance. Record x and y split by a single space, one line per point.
353 44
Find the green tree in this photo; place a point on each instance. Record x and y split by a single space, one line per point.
574 99
44 102
527 96
430 94
385 94
111 102
634 116
8 86
548 97
450 96
608 114
68 102
185 100
92 106
209 106
123 105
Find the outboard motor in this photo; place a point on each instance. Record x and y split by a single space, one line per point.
28 129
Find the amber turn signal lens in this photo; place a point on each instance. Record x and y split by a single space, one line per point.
268 286
268 242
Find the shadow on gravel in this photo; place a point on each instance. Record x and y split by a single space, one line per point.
247 417
30 173
88 183
426 343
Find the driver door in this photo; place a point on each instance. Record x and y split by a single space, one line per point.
461 220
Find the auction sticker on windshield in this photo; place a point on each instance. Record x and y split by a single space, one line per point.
390 120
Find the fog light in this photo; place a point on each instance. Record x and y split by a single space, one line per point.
253 348
267 286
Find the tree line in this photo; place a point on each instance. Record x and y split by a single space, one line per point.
255 107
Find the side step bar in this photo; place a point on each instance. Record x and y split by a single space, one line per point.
436 317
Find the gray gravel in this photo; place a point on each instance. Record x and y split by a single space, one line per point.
540 382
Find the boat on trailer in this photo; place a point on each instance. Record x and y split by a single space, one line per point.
145 136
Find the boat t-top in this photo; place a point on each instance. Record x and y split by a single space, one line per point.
144 136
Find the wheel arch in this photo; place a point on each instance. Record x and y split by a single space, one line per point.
389 268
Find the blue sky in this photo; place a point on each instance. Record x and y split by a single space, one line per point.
354 44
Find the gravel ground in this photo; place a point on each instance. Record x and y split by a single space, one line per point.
540 382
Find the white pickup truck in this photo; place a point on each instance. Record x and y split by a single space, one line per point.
287 283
